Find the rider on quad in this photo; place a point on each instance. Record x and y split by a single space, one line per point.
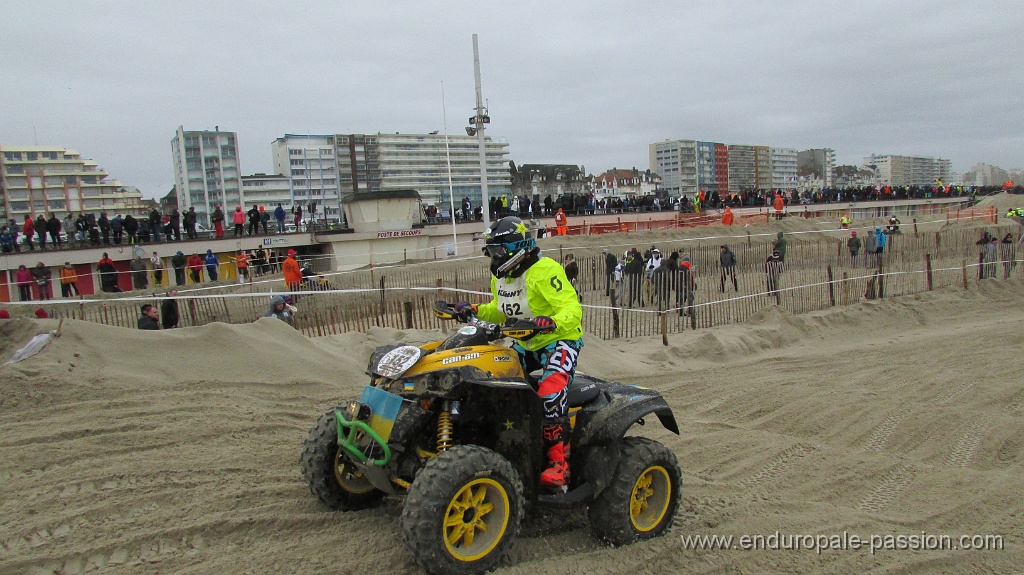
527 286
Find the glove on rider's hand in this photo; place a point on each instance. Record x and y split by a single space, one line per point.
544 321
465 308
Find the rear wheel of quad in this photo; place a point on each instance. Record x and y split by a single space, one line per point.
641 500
331 477
463 511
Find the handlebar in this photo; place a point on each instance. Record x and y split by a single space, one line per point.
514 328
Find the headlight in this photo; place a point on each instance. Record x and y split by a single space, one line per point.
397 361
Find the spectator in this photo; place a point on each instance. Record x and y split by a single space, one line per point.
610 261
254 220
634 269
218 221
298 218
69 228
108 274
991 257
149 318
195 267
15 230
7 241
779 204
238 218
23 277
178 262
779 245
280 310
158 268
853 244
69 281
279 215
572 271
139 272
174 225
870 249
104 224
28 229
117 228
561 222
687 286
728 217
41 275
727 259
881 240
53 228
190 223
1008 254
212 265
242 263
131 229
292 272
169 316
264 219
773 269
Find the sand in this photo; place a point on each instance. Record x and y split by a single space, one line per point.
177 452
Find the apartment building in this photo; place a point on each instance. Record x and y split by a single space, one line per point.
206 171
742 171
52 180
722 168
676 162
819 161
267 191
783 167
894 170
311 164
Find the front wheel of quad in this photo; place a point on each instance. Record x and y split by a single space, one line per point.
641 500
463 511
331 477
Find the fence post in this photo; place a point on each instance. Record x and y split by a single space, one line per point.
881 280
928 269
831 288
965 273
915 227
615 315
408 314
439 283
664 328
81 307
981 267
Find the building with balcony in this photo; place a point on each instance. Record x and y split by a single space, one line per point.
618 183
52 180
742 172
267 191
722 168
676 162
819 163
783 167
311 164
206 172
909 170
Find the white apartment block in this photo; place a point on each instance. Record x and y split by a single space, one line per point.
51 180
311 164
909 170
420 162
206 172
676 162
267 191
783 166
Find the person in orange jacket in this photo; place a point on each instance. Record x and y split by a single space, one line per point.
292 271
560 222
242 263
779 205
727 217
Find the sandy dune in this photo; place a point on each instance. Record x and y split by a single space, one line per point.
177 452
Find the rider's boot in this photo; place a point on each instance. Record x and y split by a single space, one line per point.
556 447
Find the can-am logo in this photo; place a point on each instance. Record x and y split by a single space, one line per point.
458 358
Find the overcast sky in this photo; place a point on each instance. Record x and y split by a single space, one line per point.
576 82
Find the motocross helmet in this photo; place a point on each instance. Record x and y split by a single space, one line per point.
509 244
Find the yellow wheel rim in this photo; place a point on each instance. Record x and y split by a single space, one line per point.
476 519
348 478
651 497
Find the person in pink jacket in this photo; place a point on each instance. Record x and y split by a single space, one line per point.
239 220
23 277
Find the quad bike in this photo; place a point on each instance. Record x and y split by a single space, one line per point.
455 426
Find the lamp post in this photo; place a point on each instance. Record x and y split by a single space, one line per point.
476 128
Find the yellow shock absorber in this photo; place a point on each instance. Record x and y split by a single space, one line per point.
444 431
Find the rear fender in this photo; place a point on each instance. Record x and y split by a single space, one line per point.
626 407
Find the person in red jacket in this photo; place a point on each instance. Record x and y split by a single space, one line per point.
28 229
195 267
728 217
239 220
